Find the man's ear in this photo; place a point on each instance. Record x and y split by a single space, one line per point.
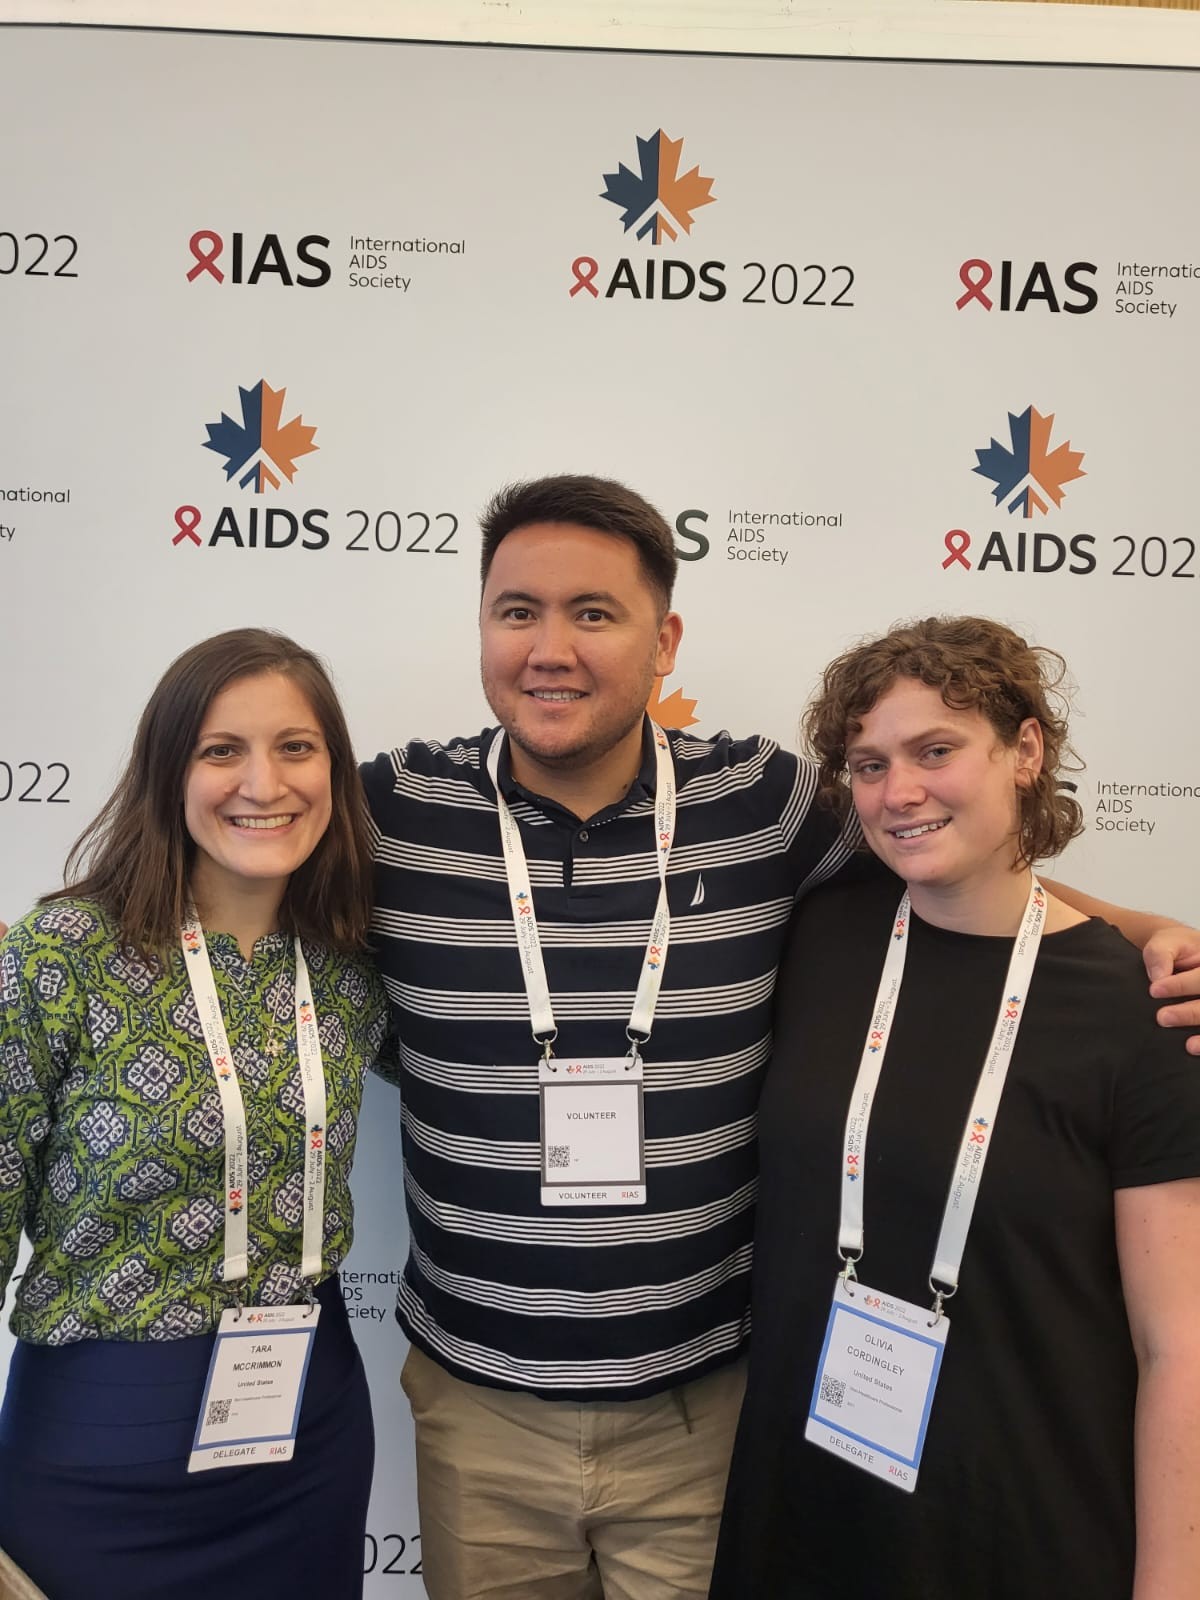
670 632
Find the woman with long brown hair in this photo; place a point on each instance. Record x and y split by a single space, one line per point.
184 1031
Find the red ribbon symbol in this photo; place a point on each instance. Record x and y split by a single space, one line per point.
585 269
187 520
206 259
956 541
976 286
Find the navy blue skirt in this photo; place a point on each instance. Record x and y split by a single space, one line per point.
96 1498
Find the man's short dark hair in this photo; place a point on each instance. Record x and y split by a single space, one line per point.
597 503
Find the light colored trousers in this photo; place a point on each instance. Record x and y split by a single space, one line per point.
527 1499
14 1585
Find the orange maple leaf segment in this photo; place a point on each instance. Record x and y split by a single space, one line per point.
673 712
680 196
1052 469
285 443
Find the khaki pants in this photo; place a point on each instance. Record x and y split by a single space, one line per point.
527 1499
14 1585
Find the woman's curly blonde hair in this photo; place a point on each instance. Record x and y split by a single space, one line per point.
975 664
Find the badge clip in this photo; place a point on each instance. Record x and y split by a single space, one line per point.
940 1296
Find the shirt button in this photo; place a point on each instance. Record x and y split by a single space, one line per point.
583 836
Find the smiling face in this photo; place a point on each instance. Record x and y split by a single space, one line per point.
571 642
257 795
936 791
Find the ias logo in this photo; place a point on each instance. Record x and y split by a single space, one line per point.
261 448
255 259
656 201
1027 475
1025 286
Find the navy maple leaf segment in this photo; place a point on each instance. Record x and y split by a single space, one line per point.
1030 469
262 444
657 200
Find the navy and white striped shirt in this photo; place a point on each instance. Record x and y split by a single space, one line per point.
601 1302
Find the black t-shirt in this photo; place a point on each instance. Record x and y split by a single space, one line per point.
1026 1483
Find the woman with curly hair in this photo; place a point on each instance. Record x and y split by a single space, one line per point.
976 1358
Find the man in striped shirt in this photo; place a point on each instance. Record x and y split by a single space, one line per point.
575 1375
577 1370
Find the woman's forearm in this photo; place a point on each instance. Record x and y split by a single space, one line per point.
1167 1479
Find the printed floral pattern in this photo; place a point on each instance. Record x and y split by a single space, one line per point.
111 1133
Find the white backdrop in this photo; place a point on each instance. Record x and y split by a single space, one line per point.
802 392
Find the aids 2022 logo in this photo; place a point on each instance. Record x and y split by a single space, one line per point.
260 454
658 203
1029 477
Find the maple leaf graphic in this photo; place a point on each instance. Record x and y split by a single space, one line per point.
1030 469
673 712
657 200
260 446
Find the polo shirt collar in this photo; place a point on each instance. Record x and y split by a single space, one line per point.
641 787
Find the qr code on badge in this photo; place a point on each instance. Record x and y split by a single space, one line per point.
833 1390
218 1412
558 1155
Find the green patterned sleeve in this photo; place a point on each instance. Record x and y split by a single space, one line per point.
39 1034
385 1055
386 1064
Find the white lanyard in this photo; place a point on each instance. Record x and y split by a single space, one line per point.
312 1080
981 1119
529 944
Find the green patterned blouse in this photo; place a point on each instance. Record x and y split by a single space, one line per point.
111 1134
